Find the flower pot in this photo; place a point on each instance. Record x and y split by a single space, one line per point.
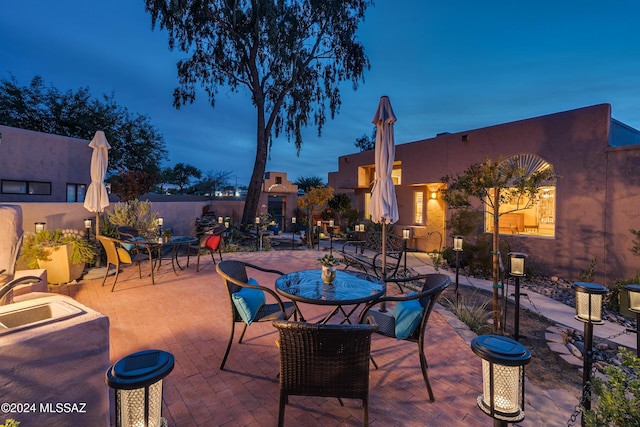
59 268
328 274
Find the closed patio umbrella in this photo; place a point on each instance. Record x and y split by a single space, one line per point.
97 198
383 205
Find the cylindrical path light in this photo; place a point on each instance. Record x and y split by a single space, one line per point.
516 269
634 306
137 380
589 311
503 361
457 247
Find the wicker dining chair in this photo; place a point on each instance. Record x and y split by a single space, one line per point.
117 255
433 286
326 360
234 273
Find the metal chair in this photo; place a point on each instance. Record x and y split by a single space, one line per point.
324 360
209 243
234 273
433 286
117 254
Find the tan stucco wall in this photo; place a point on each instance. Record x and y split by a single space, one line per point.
37 156
597 197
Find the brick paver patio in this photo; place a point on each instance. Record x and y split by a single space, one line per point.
188 316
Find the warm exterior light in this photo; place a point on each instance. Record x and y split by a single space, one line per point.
226 224
589 302
634 297
503 361
406 233
39 226
319 223
457 243
434 195
331 222
257 220
220 220
137 380
293 220
634 306
160 221
87 223
517 263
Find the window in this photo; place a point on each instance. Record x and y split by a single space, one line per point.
367 174
76 192
418 207
278 180
25 187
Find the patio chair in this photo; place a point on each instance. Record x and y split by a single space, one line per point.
248 299
409 316
117 255
209 243
324 360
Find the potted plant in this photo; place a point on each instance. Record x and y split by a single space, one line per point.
62 255
329 264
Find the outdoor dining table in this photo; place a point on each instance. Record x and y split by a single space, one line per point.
348 289
174 243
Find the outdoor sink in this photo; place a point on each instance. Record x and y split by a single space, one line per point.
39 313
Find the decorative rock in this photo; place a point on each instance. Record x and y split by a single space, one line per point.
572 360
559 348
603 346
574 350
553 337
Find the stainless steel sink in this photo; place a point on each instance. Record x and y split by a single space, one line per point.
34 315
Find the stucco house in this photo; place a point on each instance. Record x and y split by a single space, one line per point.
586 215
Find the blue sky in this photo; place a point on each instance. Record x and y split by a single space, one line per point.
445 67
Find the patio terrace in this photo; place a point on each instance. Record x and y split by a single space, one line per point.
187 315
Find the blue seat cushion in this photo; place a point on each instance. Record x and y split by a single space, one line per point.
248 301
407 315
130 246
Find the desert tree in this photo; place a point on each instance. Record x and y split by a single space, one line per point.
314 201
494 184
291 57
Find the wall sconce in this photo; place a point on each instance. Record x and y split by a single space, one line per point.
39 226
589 311
137 380
634 306
516 269
503 361
434 195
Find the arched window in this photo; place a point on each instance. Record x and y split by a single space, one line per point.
525 216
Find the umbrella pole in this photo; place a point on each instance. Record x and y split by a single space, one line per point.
383 305
98 245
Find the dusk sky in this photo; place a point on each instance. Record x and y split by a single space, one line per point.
446 67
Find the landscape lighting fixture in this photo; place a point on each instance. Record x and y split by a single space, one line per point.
39 226
503 361
589 311
634 306
457 248
137 381
516 269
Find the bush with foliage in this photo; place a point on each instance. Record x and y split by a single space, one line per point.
617 395
134 213
38 247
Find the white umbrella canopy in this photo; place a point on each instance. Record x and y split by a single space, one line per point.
383 205
97 198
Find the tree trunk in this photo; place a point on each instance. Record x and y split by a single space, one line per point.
255 184
494 258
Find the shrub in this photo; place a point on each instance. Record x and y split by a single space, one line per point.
617 396
474 314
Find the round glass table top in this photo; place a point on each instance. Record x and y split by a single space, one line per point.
347 288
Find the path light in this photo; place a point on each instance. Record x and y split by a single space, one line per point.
516 269
293 232
87 226
503 361
406 235
457 247
589 311
634 306
39 226
220 220
258 241
137 380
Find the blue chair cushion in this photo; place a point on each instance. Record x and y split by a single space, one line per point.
130 246
407 315
248 301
